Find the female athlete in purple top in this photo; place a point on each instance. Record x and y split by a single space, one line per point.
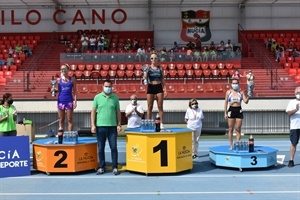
67 97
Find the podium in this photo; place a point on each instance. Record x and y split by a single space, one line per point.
261 157
159 152
55 158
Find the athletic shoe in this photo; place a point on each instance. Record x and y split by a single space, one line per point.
100 171
115 171
195 156
291 163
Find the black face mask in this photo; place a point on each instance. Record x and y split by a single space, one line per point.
10 101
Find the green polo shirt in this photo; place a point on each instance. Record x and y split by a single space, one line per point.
106 107
9 124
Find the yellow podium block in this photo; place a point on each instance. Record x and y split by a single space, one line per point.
162 152
65 157
26 129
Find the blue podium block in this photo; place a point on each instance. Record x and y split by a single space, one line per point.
260 158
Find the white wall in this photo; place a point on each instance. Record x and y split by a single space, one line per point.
166 20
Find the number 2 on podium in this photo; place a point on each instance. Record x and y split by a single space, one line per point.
163 148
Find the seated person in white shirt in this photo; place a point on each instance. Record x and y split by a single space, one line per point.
134 112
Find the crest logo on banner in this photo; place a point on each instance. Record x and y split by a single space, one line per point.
194 24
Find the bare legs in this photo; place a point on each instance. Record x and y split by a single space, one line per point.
61 117
237 124
150 101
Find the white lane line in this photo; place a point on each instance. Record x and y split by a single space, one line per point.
153 193
161 177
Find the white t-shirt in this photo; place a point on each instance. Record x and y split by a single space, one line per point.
194 118
134 120
294 119
84 40
93 41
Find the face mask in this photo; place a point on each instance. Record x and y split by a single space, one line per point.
10 102
194 106
235 86
298 96
107 90
133 102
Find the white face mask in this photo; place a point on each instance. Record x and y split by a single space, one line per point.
235 86
298 96
194 106
107 90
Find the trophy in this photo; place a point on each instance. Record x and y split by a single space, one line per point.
145 69
53 90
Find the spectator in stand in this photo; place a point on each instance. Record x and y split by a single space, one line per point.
190 45
11 50
92 42
198 43
228 45
296 53
141 54
205 54
136 44
18 49
238 52
153 50
100 41
175 47
163 55
231 53
236 75
250 83
189 55
279 52
273 47
171 55
134 112
197 55
84 43
27 50
213 54
268 43
127 45
290 46
10 60
212 45
106 43
221 49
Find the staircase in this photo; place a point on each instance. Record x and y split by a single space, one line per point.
286 84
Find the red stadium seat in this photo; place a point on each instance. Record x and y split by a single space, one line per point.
104 74
206 73
81 67
92 88
86 74
138 73
199 88
141 89
295 65
105 67
196 66
89 67
292 72
122 67
209 87
204 66
73 67
82 88
112 74
180 66
219 87
189 73
170 88
180 88
97 67
2 81
120 74
198 73
180 73
132 89
129 74
190 88
78 74
7 74
114 67
130 66
188 66
95 74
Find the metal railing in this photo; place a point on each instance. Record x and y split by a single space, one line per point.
35 62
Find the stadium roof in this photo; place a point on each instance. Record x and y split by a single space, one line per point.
105 3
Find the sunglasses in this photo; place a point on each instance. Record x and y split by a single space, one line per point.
154 58
63 69
194 104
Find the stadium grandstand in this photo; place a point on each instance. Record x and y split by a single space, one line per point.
52 30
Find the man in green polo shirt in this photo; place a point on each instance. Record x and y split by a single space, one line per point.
106 124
